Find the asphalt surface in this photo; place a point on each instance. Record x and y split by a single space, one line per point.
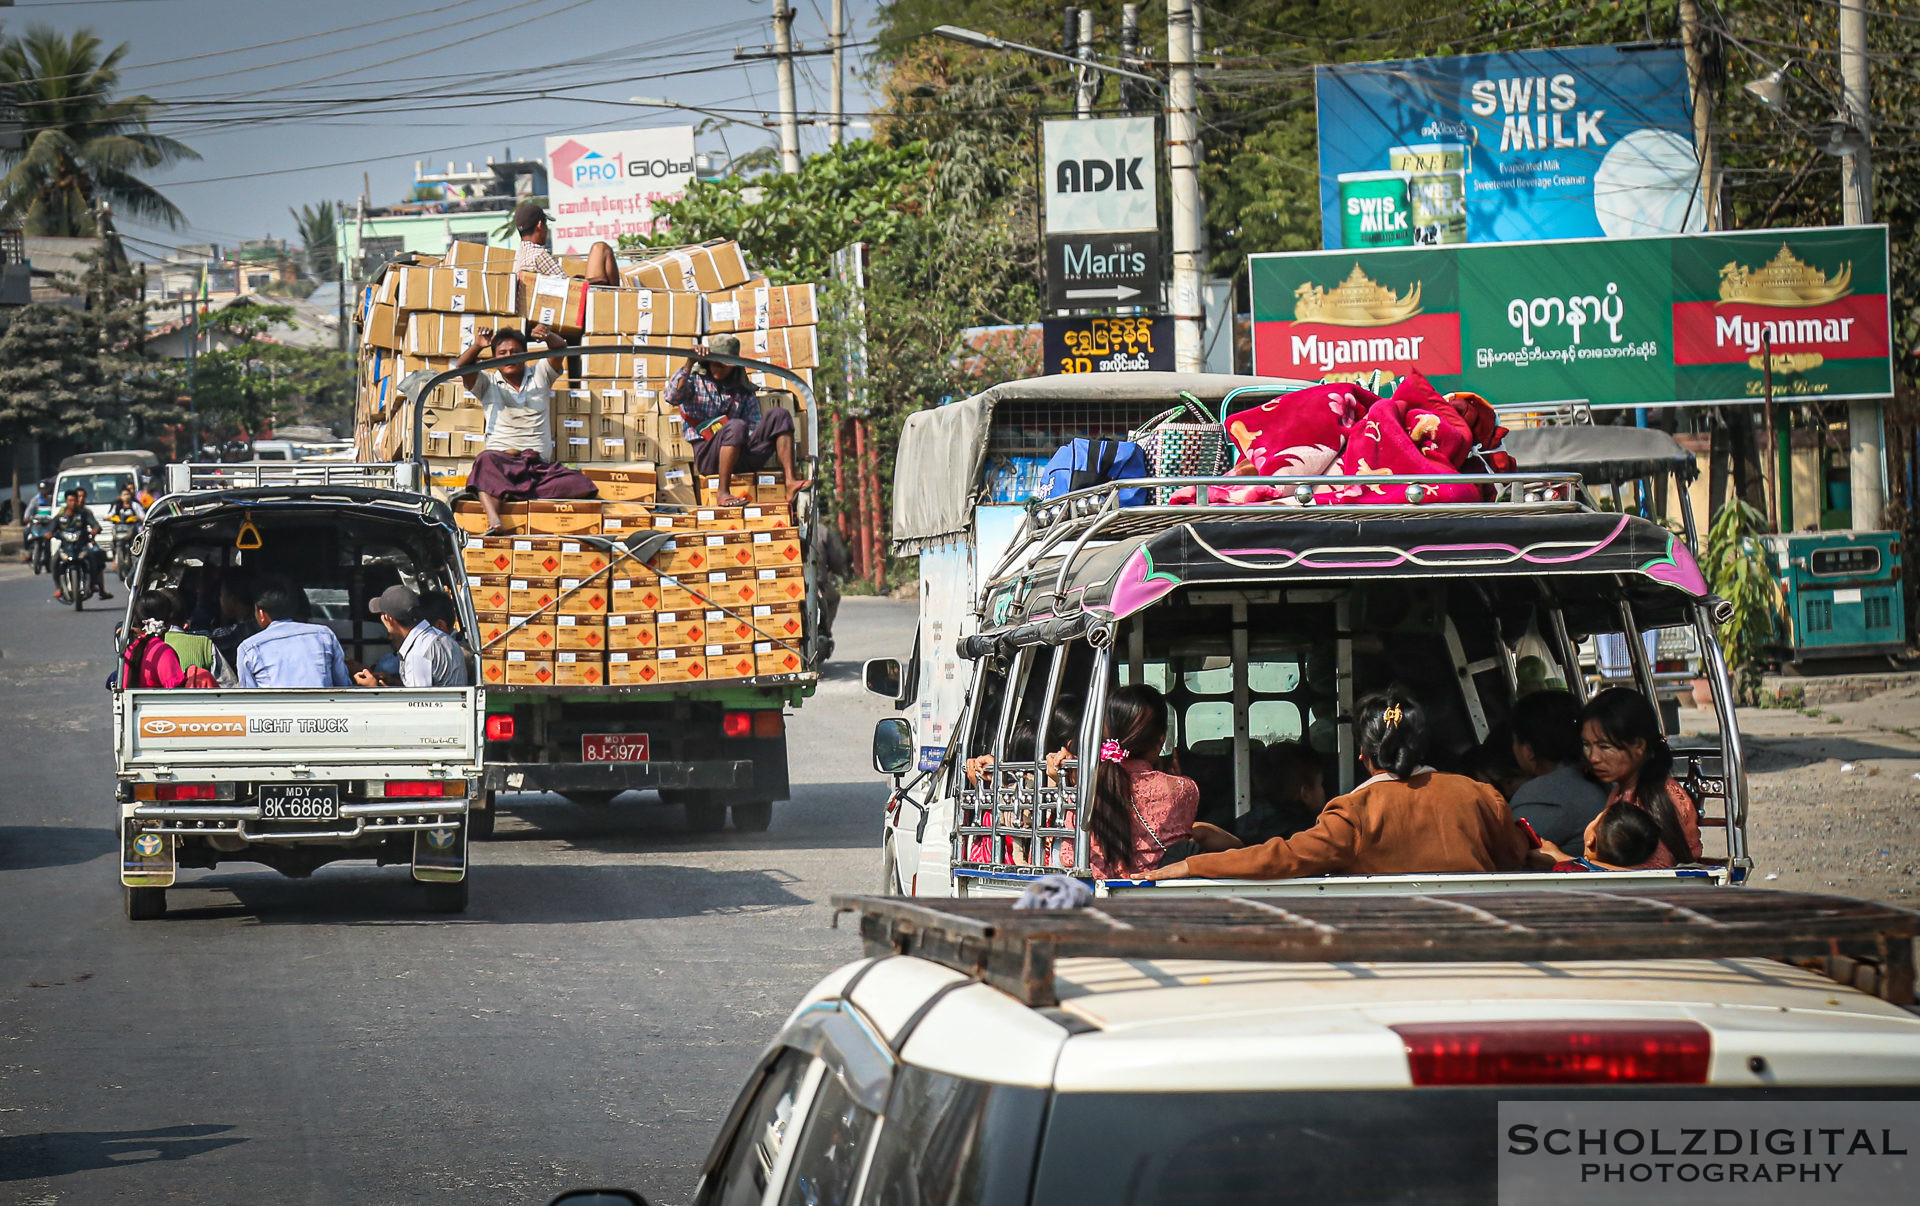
586 1022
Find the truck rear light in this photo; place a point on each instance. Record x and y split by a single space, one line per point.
737 724
413 789
500 727
768 724
1597 1052
176 791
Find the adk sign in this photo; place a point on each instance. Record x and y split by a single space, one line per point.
1103 217
601 186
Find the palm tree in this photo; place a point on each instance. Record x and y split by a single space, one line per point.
81 145
318 234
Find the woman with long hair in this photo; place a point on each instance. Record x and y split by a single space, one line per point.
1140 815
1407 818
148 660
1627 750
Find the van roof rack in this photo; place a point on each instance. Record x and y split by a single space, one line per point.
1862 943
186 477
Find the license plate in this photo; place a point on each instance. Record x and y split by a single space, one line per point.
613 747
300 802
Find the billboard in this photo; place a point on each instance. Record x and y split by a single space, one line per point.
1089 344
1617 322
1099 175
1493 148
601 186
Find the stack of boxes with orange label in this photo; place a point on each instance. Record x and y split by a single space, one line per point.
540 596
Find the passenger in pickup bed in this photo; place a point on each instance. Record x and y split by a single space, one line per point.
1141 816
1621 838
1557 799
516 462
1408 818
428 657
289 652
1628 751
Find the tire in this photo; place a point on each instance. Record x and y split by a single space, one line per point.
480 820
146 904
447 898
753 817
74 583
123 564
704 816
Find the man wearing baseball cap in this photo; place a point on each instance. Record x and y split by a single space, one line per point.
535 251
730 434
428 656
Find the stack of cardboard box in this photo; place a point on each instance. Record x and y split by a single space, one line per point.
722 600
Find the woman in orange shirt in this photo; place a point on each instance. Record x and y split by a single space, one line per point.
1628 752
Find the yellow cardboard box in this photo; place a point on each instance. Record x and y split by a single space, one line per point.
682 665
786 584
632 669
634 482
577 668
579 560
777 547
526 596
533 636
564 516
580 633
774 657
634 594
732 659
709 268
584 596
683 628
779 621
491 592
536 557
488 555
630 632
525 669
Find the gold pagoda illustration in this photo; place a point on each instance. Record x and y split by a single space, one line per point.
1785 281
1355 302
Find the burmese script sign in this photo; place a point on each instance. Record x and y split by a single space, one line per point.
1617 322
1138 344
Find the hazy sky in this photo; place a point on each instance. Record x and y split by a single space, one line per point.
290 103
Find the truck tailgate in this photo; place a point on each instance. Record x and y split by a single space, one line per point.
240 730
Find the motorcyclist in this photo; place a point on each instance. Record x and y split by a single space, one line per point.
76 525
125 514
43 501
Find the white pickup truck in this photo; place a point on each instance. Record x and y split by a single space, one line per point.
298 778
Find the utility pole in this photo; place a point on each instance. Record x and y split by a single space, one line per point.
1183 169
1691 40
1086 80
837 41
783 67
1131 96
340 268
1866 463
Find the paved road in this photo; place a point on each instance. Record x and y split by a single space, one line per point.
323 1041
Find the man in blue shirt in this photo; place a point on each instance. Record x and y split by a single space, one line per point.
724 421
287 652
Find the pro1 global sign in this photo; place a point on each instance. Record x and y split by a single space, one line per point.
1616 322
601 186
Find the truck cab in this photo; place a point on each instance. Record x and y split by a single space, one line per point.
298 778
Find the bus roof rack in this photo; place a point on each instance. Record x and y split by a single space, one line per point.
1862 943
185 477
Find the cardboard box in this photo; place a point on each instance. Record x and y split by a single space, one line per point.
614 365
493 671
738 551
765 517
533 636
564 516
491 592
682 628
471 516
778 621
457 291
676 484
625 518
559 302
788 347
463 254
686 594
579 560
733 659
773 657
660 366
629 632
709 268
629 483
385 327
720 519
524 669
683 665
780 546
488 555
632 669
580 633
639 313
573 435
732 626
756 308
634 594
490 633
786 584
578 668
732 588
408 286
525 596
584 596
765 489
536 557
684 554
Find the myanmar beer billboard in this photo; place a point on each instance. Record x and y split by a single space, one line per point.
1488 148
1616 322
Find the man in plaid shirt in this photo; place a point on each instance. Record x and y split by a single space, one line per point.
535 255
730 434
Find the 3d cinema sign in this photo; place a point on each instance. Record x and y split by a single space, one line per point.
1709 318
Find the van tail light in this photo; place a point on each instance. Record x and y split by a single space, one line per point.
737 724
1597 1052
413 789
768 724
176 791
500 727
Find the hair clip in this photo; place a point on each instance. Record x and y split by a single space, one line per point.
1393 715
1110 751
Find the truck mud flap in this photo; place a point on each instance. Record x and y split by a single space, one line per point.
617 776
440 854
147 859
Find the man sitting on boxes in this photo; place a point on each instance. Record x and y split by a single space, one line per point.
515 465
723 419
535 251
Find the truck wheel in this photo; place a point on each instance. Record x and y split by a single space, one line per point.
480 818
704 816
754 817
146 904
447 898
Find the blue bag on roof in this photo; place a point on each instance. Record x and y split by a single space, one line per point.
1086 463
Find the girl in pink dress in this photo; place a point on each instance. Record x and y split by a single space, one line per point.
1140 814
149 661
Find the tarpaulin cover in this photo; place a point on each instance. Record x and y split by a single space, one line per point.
1601 454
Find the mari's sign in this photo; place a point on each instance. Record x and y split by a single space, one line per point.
601 186
1100 175
1138 344
1487 148
1616 322
1088 271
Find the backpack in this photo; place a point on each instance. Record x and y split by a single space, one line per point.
1085 463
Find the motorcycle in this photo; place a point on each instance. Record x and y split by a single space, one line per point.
70 571
39 551
123 530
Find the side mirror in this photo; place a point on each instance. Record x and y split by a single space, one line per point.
599 1197
883 677
892 746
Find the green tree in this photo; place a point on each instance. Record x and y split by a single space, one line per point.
82 146
47 376
320 237
138 397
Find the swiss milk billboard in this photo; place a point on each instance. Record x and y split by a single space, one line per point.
602 186
1491 148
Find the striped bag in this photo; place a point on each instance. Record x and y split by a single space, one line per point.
1189 449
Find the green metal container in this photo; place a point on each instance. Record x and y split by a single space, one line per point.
1376 209
1842 593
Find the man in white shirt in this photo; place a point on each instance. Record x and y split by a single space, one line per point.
428 656
516 463
535 253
